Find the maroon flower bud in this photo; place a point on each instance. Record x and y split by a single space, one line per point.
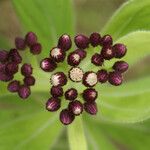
91 108
57 54
102 76
53 104
71 94
66 117
20 43
15 56
81 41
31 38
74 59
48 65
76 107
89 79
3 56
11 68
57 91
120 50
97 59
29 80
58 78
2 67
36 48
81 52
107 53
65 42
13 86
95 39
5 77
121 66
106 40
90 95
26 70
115 78
24 91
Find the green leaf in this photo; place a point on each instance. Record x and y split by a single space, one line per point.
132 16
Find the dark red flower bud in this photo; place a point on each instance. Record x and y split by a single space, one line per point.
95 39
66 117
48 65
65 42
6 77
31 38
90 95
26 70
121 66
11 68
71 94
53 104
102 76
115 78
29 80
58 78
3 56
24 91
89 79
76 107
81 52
97 59
107 53
2 67
106 40
74 59
57 91
57 54
120 50
91 108
20 43
81 41
15 56
13 86
36 48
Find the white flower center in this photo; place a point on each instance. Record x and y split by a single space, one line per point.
91 79
76 57
55 52
77 111
55 79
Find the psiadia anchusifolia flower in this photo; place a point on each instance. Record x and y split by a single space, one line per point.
91 108
26 70
81 53
73 59
106 40
13 86
29 80
20 43
102 75
56 91
95 39
4 56
71 94
97 59
36 49
107 53
30 38
121 66
24 91
14 56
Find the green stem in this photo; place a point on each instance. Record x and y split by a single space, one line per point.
76 136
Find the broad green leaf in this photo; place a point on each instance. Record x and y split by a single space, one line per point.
132 16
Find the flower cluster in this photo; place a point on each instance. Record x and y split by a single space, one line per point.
11 63
89 78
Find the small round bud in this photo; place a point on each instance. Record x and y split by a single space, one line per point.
81 41
13 86
107 53
20 43
48 65
102 76
29 81
2 67
36 48
58 78
11 68
76 74
66 117
90 95
95 39
26 70
31 38
15 56
120 50
76 107
65 42
74 59
53 104
89 79
3 56
106 40
115 78
81 52
91 108
24 91
57 54
5 77
121 66
71 94
97 59
56 91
